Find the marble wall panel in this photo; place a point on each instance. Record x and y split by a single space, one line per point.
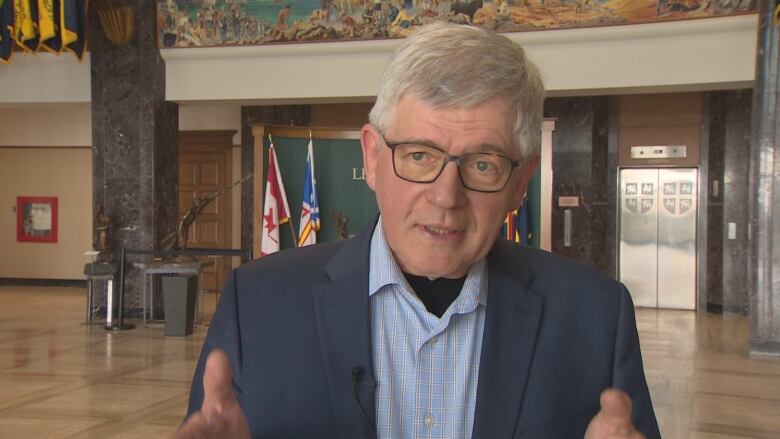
581 168
736 193
729 166
716 128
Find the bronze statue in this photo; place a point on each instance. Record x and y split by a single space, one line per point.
102 223
342 221
178 240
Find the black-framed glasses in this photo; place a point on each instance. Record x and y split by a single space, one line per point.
478 171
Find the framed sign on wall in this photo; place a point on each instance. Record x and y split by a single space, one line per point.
36 219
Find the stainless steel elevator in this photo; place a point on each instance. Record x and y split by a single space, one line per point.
658 209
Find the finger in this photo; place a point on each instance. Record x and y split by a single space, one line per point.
616 412
615 404
193 428
217 383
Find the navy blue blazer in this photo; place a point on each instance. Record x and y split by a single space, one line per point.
296 323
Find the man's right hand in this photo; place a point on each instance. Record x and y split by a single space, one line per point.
220 416
613 421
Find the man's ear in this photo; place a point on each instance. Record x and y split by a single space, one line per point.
525 172
369 140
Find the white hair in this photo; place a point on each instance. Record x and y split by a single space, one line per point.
449 65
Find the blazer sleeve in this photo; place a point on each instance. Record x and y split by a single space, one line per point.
225 334
627 369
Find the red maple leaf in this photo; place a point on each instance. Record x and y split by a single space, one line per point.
269 220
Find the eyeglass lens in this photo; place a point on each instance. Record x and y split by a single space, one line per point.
478 171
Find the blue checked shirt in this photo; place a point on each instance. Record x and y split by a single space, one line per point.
426 367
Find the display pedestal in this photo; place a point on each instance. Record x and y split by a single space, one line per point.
179 296
181 276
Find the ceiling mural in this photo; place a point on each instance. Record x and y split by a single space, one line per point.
208 23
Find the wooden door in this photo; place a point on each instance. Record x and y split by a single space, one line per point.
205 166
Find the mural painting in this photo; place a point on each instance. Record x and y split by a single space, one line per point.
197 23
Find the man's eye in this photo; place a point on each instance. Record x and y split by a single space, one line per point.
418 156
483 166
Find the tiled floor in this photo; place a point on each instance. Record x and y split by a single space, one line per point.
62 379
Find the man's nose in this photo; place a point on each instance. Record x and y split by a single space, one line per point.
447 191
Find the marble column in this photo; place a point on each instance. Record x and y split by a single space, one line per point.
763 263
135 141
584 153
277 115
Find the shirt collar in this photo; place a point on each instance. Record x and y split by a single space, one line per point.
383 271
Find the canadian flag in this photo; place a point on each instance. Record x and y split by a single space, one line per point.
275 209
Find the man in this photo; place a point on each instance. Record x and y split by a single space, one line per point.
424 324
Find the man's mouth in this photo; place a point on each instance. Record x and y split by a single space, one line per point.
439 230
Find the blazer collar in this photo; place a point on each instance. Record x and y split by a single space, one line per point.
511 326
342 310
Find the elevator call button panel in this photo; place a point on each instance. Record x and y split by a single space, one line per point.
659 152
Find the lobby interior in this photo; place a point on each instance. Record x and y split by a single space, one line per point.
119 132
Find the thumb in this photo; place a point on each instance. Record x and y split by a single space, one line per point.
615 404
614 418
217 383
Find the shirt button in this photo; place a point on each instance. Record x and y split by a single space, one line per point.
429 420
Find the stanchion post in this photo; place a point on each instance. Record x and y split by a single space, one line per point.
120 325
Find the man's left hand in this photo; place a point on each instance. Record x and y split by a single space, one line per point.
613 421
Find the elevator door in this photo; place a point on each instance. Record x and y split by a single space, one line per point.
658 236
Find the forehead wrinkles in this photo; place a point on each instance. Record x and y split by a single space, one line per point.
470 129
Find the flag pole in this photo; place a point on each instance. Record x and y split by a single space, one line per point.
294 235
289 220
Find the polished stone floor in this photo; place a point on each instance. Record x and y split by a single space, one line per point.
62 379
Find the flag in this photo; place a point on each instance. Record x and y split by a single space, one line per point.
24 27
74 27
6 27
69 22
46 24
275 209
30 43
310 211
523 225
54 42
509 230
517 225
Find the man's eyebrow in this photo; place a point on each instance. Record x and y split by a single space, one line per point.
482 147
488 147
425 142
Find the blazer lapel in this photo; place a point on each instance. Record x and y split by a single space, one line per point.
511 326
342 309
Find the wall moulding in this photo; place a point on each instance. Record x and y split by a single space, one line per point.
602 60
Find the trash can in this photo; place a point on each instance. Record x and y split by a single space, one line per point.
179 296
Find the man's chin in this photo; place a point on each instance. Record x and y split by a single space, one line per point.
435 271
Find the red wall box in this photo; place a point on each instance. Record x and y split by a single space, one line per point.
36 219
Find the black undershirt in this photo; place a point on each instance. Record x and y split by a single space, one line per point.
437 295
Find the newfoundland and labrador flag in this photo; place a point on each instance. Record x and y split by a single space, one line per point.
275 208
310 211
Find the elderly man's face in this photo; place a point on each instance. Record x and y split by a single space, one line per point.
440 229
